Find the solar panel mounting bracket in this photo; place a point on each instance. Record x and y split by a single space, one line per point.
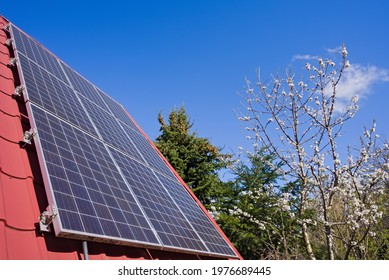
18 91
28 135
8 42
6 27
12 62
46 219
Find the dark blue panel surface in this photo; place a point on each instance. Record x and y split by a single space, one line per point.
111 130
117 110
90 193
83 87
126 139
53 95
167 219
148 152
207 231
37 53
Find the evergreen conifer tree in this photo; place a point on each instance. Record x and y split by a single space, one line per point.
195 159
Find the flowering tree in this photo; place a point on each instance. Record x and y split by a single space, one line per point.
258 214
299 118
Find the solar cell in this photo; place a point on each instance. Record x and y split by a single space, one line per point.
104 176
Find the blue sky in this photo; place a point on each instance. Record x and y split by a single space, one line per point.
154 55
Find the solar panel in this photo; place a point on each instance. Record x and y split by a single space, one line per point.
124 138
117 110
211 237
102 175
110 130
148 152
37 53
169 222
83 87
90 194
41 86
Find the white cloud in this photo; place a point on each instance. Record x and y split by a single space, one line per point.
335 50
303 57
358 81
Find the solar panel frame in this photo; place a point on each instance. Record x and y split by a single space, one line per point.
51 198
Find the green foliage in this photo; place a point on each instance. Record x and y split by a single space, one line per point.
260 219
259 210
376 246
195 159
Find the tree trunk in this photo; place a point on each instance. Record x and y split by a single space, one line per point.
307 241
330 246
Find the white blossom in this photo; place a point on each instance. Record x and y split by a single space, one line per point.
245 118
344 51
331 63
342 188
321 63
290 83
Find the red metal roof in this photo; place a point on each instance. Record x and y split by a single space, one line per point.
23 197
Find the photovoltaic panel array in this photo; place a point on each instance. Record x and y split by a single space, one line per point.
65 104
90 194
104 177
117 110
37 53
83 87
193 212
171 225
